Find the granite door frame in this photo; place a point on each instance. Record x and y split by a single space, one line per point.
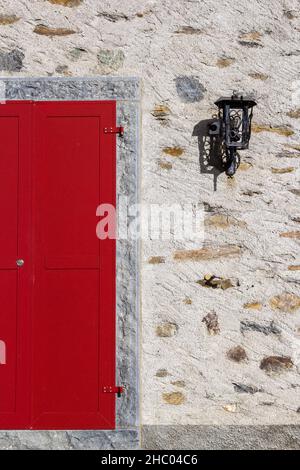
126 92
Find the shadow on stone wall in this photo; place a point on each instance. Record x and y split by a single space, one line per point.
211 153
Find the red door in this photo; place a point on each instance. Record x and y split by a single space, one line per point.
70 272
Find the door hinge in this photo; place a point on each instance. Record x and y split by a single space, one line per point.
114 130
113 389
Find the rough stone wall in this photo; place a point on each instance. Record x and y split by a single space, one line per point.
215 350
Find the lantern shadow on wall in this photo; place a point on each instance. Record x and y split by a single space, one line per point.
211 152
220 138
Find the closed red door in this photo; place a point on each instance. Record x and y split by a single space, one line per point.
70 273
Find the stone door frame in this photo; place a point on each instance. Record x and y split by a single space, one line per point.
126 92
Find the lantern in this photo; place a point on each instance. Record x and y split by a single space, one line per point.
233 127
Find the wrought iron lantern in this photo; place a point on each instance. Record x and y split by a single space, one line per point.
233 128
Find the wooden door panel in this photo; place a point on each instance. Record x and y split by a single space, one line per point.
71 324
66 340
15 282
8 329
9 186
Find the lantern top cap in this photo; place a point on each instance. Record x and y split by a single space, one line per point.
236 101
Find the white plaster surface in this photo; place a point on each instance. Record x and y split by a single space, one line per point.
150 40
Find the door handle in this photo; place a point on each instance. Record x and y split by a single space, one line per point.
20 262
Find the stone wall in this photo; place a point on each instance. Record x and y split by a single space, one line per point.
220 324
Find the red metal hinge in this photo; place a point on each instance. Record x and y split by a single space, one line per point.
113 389
114 130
